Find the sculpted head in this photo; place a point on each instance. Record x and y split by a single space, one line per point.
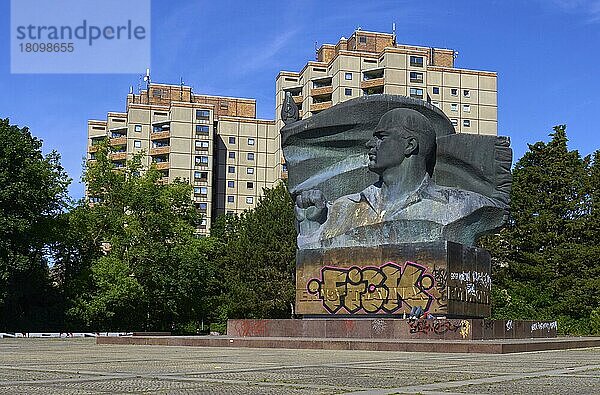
402 133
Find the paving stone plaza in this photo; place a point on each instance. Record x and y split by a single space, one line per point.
79 366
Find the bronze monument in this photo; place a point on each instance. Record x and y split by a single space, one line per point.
389 204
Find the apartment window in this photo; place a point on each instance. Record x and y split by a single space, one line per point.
467 123
230 184
466 108
416 61
453 107
230 199
137 128
362 39
348 76
249 200
454 122
157 129
348 92
203 206
436 90
284 167
416 77
224 105
201 144
93 156
231 140
454 92
201 160
203 222
157 92
250 156
196 190
466 93
250 185
416 93
137 144
231 154
250 141
203 190
200 174
231 169
203 114
202 129
250 170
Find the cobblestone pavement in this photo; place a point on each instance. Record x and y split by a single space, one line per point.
79 366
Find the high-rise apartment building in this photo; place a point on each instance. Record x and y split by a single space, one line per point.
370 63
215 143
228 156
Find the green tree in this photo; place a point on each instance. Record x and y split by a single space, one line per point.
257 259
152 273
545 260
33 192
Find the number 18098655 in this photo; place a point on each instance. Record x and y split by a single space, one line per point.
47 47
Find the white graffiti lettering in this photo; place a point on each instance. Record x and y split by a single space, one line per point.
540 326
480 278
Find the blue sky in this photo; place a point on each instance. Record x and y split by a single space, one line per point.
545 52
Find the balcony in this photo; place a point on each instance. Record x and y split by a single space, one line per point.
120 130
161 165
372 74
93 148
298 99
163 134
118 156
118 141
326 90
320 106
161 124
160 150
372 83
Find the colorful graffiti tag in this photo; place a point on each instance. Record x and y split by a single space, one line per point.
440 327
385 289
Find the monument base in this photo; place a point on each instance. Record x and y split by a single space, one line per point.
431 336
389 281
393 329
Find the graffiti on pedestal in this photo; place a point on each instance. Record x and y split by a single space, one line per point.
246 328
440 327
389 288
470 286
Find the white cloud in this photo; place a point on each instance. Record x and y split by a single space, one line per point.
262 55
589 9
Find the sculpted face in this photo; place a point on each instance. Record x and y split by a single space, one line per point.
388 145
